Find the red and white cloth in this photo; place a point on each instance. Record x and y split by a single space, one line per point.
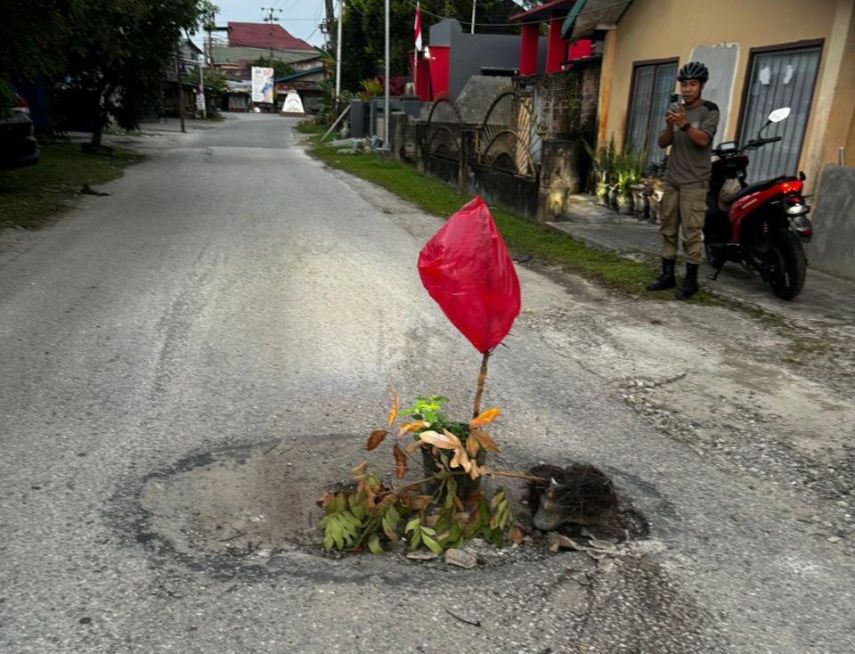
417 29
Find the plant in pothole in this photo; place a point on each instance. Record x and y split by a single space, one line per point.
466 268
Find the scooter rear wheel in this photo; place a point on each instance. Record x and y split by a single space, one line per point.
787 265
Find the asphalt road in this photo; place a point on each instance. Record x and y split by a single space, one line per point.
231 291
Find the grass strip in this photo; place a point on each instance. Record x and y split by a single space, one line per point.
522 236
31 196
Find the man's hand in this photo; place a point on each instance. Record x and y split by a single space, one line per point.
676 118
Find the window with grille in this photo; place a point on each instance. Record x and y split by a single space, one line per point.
778 78
652 86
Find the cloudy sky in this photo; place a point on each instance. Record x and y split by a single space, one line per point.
300 17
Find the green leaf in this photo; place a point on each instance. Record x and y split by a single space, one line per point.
450 492
374 545
390 524
412 524
357 507
433 546
336 533
430 531
328 541
340 503
416 540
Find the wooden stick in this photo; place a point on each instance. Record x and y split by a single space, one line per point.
482 377
486 472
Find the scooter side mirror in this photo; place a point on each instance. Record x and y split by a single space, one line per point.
779 114
775 117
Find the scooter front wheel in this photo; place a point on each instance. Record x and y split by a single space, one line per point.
787 265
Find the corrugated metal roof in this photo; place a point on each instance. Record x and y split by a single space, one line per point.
223 54
544 11
592 15
300 73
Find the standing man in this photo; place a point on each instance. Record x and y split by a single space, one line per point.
689 129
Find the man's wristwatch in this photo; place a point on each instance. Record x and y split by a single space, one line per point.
686 127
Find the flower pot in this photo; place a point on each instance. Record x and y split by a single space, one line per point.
613 197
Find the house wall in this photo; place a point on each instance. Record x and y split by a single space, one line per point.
470 52
659 29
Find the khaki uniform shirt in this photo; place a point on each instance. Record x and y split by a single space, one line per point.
688 163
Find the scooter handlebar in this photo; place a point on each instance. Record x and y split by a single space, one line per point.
756 143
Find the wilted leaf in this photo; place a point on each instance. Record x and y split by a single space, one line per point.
408 427
460 460
393 412
441 441
484 440
375 438
400 462
472 446
474 471
360 470
412 447
484 418
517 535
421 501
326 499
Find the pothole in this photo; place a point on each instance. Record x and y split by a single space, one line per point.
249 503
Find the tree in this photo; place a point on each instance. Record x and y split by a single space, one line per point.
120 61
36 36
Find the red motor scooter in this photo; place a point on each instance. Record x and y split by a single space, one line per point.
760 226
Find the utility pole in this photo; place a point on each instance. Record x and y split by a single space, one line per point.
472 24
338 54
209 27
180 86
201 105
271 19
386 144
326 26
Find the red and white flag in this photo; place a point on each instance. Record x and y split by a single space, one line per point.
417 29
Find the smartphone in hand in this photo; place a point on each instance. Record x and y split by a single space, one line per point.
676 103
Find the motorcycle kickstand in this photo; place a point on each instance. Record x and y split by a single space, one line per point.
714 276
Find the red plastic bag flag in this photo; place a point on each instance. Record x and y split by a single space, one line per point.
466 268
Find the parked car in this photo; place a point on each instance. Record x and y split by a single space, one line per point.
18 146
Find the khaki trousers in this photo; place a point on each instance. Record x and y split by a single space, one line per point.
684 208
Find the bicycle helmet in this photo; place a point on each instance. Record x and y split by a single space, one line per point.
694 70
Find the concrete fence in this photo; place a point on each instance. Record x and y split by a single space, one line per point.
832 249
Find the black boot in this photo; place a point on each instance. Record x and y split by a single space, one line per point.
690 284
666 279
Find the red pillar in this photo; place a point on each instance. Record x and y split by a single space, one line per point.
556 49
528 49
